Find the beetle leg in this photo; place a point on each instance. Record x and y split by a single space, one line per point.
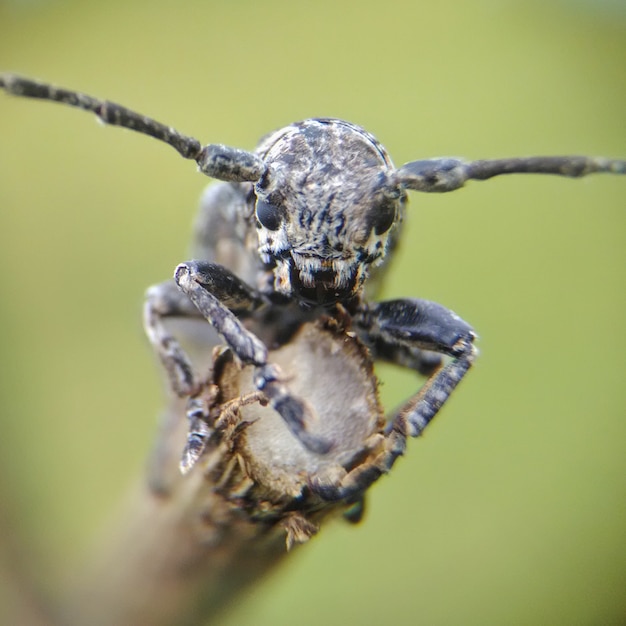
428 326
415 324
216 293
424 362
165 301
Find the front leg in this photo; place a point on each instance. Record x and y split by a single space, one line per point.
216 293
427 326
424 362
166 301
412 325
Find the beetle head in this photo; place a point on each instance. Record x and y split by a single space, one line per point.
325 208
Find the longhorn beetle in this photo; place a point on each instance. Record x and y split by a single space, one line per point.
308 217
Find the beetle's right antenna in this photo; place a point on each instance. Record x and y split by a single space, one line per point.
214 160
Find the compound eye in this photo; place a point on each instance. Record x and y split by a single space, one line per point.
385 216
269 215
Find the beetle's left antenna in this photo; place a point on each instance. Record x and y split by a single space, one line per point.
448 174
213 160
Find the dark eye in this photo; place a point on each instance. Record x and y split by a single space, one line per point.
269 216
384 216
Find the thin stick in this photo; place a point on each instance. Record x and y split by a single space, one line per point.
22 599
172 559
181 553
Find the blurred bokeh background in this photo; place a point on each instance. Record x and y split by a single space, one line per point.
512 508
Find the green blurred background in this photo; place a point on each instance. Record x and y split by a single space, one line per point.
512 509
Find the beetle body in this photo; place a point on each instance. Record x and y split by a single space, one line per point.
291 235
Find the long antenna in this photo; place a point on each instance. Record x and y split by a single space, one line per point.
446 174
214 160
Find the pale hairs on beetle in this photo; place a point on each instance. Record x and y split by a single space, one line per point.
310 212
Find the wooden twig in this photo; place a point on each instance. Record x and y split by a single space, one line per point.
22 601
186 546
